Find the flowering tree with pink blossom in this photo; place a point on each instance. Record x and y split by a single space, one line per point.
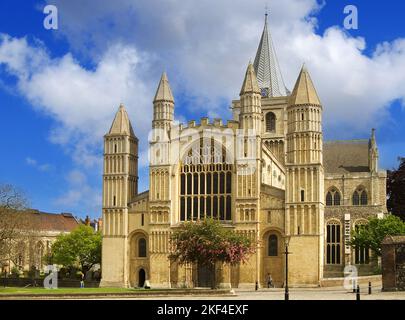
207 243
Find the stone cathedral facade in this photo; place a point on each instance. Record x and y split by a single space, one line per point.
267 173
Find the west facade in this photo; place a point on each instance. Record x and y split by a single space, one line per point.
266 173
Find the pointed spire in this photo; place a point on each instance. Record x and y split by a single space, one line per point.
267 68
373 152
163 92
121 124
250 84
373 142
304 91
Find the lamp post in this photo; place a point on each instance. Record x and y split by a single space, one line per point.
5 265
286 252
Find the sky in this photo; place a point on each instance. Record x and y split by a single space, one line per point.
60 88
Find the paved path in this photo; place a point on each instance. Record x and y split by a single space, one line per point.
335 293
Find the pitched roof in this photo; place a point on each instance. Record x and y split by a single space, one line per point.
121 123
267 68
346 156
394 239
304 91
163 92
42 221
250 84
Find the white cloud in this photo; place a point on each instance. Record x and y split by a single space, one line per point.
40 166
80 194
82 101
205 47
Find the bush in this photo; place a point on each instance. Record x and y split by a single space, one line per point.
15 273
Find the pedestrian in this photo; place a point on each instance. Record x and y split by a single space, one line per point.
269 281
82 280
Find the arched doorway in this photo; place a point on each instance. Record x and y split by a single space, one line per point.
141 277
273 258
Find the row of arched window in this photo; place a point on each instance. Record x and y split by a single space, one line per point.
359 197
334 245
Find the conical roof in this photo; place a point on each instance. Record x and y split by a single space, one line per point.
121 124
267 68
372 141
163 92
304 91
250 84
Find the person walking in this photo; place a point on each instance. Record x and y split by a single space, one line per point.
82 280
269 281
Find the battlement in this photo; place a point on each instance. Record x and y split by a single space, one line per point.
205 122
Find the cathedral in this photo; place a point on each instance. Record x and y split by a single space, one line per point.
266 173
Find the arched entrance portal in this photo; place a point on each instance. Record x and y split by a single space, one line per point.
273 258
141 277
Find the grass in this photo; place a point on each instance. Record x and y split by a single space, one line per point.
22 291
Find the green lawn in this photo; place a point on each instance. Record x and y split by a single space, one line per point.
13 290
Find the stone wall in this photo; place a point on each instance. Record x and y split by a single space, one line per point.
393 263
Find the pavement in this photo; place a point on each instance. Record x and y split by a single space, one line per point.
324 293
330 293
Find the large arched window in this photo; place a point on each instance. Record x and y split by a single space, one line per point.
142 247
333 243
39 253
270 122
329 199
273 246
360 197
364 198
205 183
333 197
356 198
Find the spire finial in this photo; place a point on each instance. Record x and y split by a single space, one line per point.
163 92
373 136
266 65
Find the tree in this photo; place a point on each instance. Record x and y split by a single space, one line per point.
207 242
79 249
373 233
396 190
14 228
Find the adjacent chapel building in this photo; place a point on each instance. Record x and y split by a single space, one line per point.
267 173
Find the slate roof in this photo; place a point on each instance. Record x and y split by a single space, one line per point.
346 156
267 68
41 221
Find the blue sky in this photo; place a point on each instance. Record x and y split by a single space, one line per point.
59 89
